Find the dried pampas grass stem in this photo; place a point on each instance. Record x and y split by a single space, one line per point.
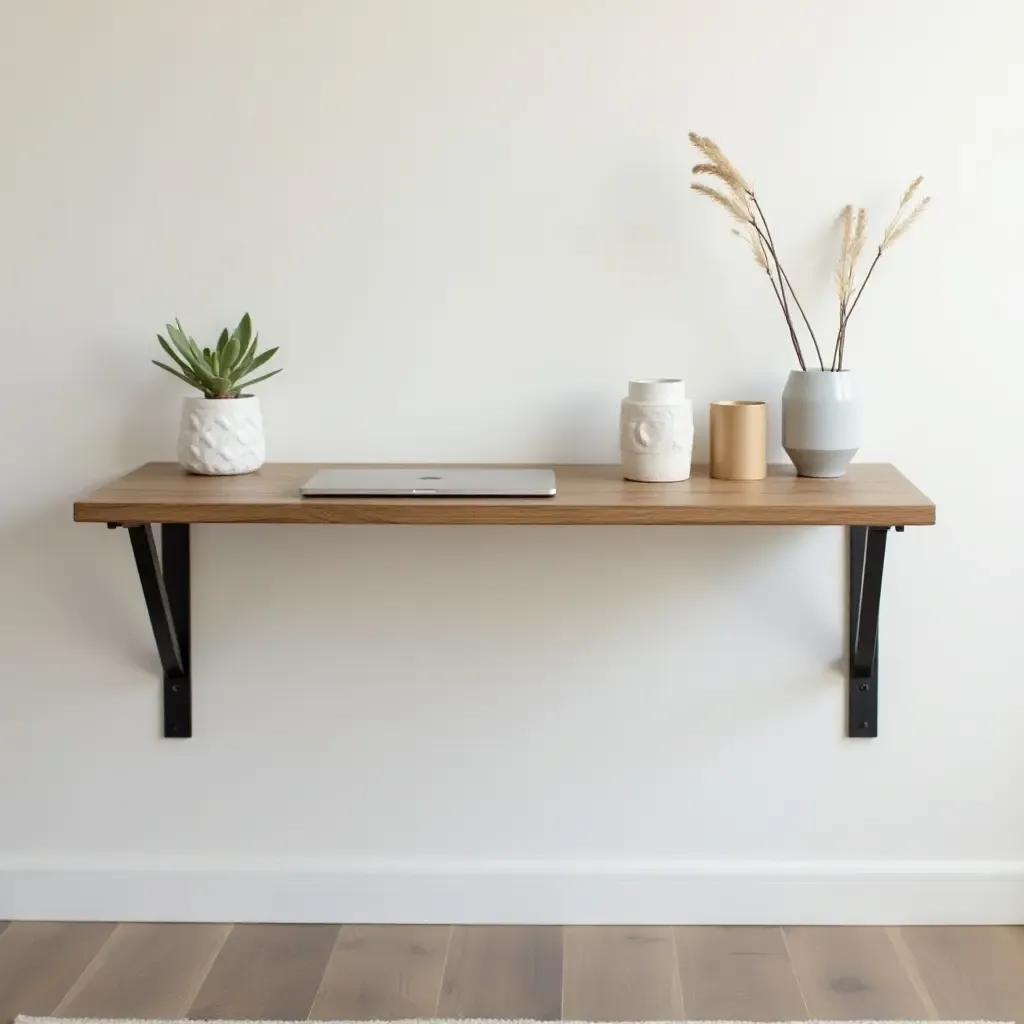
742 205
740 202
842 271
756 248
718 159
785 283
899 230
859 237
727 202
896 229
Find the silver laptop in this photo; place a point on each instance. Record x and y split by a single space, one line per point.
431 482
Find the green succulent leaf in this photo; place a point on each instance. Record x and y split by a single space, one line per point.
229 355
211 361
262 358
170 351
243 367
244 331
180 337
256 380
250 350
197 356
217 371
245 357
180 342
180 376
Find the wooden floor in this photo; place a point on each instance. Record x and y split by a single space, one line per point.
290 972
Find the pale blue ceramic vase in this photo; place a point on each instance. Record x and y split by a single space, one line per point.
822 421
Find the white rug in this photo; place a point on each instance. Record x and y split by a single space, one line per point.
441 1020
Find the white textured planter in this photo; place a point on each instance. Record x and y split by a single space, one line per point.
656 431
221 436
821 421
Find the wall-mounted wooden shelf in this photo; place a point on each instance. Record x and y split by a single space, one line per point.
870 499
869 495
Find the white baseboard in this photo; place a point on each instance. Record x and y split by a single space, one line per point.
888 892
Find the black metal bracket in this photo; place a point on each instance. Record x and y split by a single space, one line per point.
166 587
167 590
867 559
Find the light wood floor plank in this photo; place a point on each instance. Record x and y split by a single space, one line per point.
266 971
503 971
274 971
383 972
41 960
620 974
737 974
147 971
971 973
852 974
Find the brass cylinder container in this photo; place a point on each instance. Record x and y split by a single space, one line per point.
739 440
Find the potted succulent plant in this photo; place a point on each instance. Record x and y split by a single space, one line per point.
221 432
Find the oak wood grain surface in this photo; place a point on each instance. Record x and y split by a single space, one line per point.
853 974
41 960
620 974
975 973
737 973
146 971
384 972
870 494
504 972
264 971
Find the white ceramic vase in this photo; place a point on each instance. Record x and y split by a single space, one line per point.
221 436
656 431
821 421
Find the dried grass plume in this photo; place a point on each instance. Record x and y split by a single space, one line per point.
719 160
739 201
854 236
898 230
757 249
898 224
727 202
842 271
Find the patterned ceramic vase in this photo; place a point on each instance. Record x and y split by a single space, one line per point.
656 431
221 436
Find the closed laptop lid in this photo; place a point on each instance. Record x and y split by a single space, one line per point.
431 481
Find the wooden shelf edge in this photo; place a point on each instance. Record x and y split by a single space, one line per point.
435 512
872 494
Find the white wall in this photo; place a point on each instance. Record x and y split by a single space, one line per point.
467 223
